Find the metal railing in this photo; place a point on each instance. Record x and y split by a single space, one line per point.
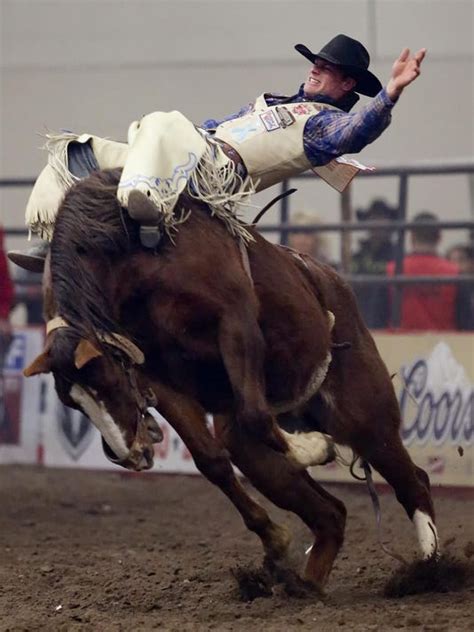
346 226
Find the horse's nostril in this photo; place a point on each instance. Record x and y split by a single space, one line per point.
153 428
149 455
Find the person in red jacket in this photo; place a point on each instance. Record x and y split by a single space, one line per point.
427 306
6 299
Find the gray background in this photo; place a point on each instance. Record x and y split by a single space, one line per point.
97 65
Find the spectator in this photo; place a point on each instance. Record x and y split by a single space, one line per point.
6 297
308 242
463 256
371 258
425 307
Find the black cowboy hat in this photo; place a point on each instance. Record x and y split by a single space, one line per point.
350 56
378 209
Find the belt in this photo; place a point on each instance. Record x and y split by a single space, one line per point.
234 155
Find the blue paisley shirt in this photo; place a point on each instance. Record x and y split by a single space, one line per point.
331 133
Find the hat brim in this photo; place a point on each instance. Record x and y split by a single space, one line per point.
367 83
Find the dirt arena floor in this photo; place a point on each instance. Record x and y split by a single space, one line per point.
103 551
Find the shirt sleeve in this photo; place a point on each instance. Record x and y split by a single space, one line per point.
330 134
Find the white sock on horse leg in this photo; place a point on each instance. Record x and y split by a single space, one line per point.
426 533
309 448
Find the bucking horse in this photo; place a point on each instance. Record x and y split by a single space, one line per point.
255 335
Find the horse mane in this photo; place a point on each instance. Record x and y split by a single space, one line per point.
92 234
91 226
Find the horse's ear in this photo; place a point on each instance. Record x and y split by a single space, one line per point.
84 353
41 364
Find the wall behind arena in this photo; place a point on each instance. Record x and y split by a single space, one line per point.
96 65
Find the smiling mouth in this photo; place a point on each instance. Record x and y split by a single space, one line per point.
314 81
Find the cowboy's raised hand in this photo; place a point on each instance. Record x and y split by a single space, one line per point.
404 70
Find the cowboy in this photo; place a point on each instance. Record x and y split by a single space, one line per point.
323 128
267 141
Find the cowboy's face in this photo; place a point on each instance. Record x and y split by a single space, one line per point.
326 78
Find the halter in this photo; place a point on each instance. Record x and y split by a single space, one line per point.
135 354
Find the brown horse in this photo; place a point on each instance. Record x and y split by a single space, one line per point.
250 348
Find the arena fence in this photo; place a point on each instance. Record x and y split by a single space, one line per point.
403 173
345 226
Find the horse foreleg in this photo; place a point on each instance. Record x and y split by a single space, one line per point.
290 488
212 460
242 348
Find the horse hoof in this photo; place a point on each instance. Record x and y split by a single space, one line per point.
278 543
307 449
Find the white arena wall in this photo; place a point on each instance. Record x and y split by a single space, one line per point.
97 65
434 386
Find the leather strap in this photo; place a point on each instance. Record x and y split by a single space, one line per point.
55 323
233 154
116 340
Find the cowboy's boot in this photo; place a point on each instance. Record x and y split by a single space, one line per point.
142 210
32 259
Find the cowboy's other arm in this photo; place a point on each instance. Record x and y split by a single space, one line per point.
404 71
332 134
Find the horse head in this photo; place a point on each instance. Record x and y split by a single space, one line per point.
95 369
103 382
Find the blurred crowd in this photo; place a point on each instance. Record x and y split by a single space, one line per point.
413 306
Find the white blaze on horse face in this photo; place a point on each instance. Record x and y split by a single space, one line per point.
309 448
102 420
426 533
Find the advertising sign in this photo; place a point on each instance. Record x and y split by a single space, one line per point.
434 385
434 376
20 399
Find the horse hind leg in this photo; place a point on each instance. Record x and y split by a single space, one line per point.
389 457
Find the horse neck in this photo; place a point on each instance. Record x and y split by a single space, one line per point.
82 291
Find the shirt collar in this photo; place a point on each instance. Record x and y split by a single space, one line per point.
343 104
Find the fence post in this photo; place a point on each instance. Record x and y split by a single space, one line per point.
400 249
346 236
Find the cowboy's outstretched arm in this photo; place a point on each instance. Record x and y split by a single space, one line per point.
405 70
